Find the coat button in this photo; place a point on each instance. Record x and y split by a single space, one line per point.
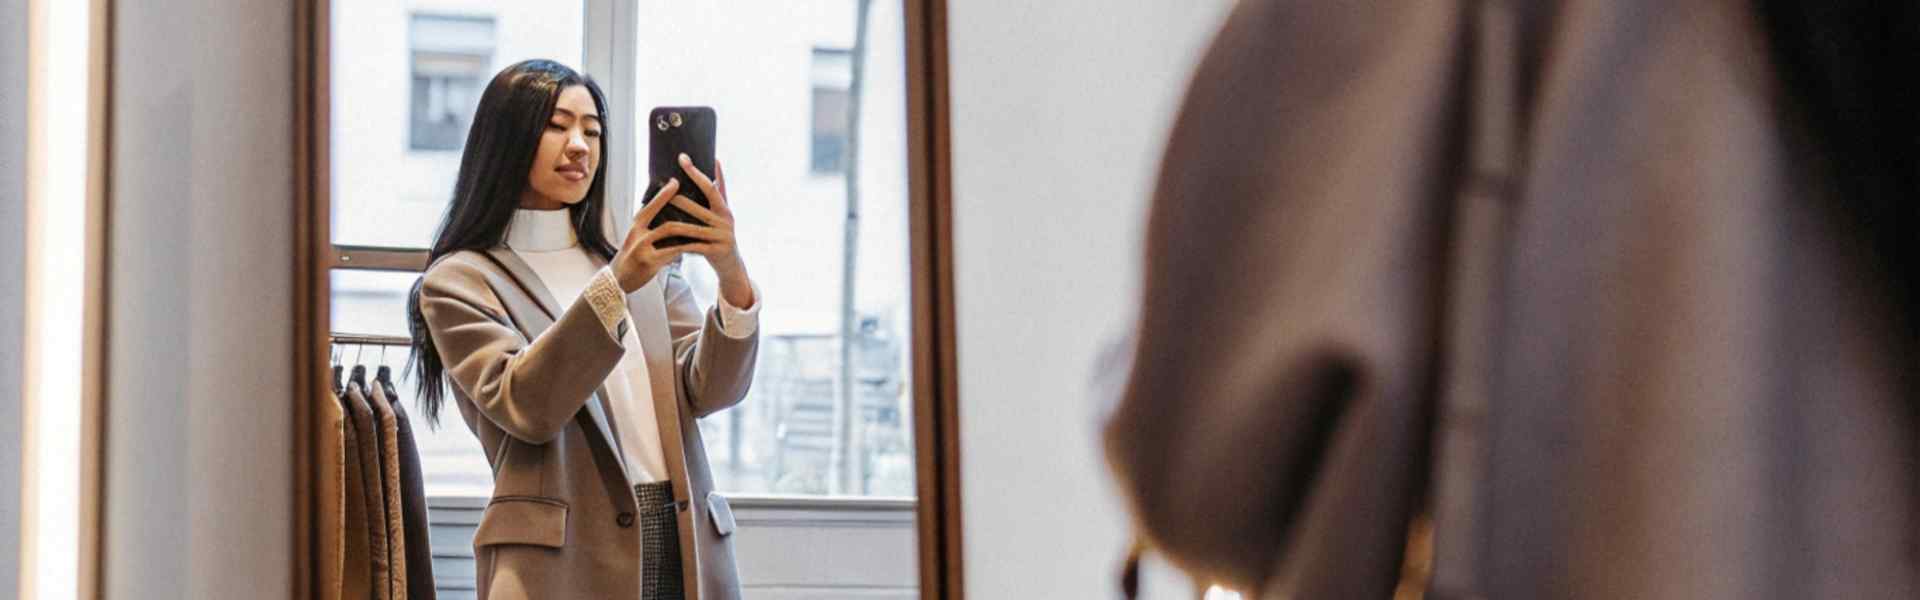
624 520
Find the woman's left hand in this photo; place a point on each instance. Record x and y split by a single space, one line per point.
716 240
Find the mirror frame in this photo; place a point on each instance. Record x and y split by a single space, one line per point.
936 371
935 365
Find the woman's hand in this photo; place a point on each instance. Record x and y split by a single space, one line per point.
716 241
638 260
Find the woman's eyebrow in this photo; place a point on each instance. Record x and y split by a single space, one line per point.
570 114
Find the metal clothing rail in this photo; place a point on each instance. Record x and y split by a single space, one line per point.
360 339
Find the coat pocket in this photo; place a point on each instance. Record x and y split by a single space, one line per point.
721 513
528 520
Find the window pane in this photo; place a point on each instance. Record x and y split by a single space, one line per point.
375 302
780 76
406 78
832 73
451 56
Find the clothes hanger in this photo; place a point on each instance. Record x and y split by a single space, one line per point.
384 376
359 377
335 361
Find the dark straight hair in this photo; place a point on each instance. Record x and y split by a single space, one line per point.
1850 70
512 115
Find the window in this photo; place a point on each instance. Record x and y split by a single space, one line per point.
832 73
780 78
393 164
451 61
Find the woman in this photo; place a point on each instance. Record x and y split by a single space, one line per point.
581 366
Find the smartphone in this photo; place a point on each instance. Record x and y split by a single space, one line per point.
674 130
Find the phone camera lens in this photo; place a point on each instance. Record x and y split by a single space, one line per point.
676 119
661 123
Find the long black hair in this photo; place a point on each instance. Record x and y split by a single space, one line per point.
501 144
1849 72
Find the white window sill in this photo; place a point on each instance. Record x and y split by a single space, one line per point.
738 501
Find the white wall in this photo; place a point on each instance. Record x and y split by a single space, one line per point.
198 465
13 279
1060 110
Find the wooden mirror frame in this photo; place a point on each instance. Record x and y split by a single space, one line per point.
935 366
936 372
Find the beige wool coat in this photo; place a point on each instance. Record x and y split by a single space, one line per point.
527 377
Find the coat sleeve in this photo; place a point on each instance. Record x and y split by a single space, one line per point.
529 388
1272 426
713 370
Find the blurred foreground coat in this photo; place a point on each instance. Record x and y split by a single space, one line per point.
1553 274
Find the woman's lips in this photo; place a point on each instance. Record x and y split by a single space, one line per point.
572 172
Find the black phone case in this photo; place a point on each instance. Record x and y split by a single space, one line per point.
674 130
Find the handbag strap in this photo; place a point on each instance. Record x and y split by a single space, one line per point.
1456 502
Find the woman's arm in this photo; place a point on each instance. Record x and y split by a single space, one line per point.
714 369
531 389
713 360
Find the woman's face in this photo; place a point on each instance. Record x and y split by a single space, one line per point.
569 153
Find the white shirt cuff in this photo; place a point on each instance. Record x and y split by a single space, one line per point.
609 303
738 323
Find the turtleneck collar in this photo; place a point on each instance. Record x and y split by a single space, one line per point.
541 230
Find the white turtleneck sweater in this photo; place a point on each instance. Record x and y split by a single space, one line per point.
545 240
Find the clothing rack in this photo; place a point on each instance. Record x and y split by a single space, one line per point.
370 442
361 339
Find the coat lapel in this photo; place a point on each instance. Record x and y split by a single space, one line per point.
647 311
648 305
528 280
530 283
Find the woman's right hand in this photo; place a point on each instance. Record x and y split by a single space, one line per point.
638 260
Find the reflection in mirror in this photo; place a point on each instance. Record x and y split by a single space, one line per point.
804 318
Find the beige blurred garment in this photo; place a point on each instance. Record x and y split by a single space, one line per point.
392 520
1686 390
371 491
357 553
330 494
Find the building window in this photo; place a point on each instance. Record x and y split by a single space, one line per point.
832 76
451 57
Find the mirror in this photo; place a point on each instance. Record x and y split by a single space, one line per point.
815 135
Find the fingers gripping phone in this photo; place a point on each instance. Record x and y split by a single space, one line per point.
674 130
